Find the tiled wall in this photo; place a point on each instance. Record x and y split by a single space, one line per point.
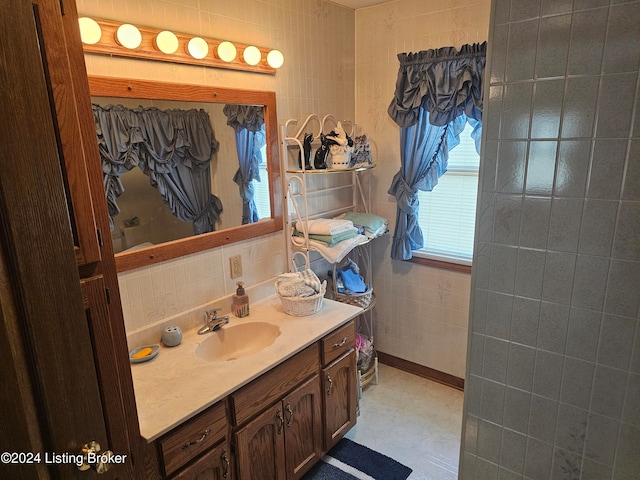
317 40
553 379
422 312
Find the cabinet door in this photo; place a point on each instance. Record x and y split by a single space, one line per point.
214 465
260 446
303 428
97 313
339 393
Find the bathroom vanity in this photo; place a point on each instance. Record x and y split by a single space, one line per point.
271 412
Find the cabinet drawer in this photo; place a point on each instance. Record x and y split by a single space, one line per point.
273 385
193 437
338 342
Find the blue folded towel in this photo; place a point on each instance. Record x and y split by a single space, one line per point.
353 282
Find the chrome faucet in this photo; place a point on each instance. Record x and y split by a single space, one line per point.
212 322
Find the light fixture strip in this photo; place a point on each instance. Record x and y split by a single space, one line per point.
147 50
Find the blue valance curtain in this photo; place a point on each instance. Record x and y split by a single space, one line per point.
248 124
437 92
173 147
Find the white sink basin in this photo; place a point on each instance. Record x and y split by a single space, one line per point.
232 342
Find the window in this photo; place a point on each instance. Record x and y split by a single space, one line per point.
261 188
447 213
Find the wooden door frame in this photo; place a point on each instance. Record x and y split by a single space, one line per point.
51 399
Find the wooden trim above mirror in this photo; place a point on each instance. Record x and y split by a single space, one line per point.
146 89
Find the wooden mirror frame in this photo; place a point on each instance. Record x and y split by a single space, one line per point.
152 90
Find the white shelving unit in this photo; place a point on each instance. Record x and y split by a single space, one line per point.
324 193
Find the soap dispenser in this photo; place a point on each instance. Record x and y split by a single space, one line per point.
240 302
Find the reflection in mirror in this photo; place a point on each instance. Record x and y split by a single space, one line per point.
186 167
140 207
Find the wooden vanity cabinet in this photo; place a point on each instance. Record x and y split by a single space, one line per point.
213 465
339 383
197 449
280 424
193 437
285 439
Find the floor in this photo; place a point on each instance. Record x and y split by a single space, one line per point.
413 420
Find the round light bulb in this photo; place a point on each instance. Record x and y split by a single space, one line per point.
167 42
90 31
227 51
198 48
128 36
252 55
275 59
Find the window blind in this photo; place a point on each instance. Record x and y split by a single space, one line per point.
447 213
261 188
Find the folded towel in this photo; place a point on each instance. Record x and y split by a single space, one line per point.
298 284
329 240
353 283
382 230
332 254
372 223
293 287
311 279
324 226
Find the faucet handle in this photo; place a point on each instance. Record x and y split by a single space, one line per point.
211 315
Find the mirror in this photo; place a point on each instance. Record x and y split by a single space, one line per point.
145 231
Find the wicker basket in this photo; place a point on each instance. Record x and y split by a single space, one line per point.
358 299
303 306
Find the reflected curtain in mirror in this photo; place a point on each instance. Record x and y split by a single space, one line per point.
248 123
172 147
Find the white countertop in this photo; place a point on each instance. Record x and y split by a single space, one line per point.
177 384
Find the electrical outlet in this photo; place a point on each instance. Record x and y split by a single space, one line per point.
236 266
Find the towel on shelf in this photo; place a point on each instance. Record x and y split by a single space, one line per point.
329 240
334 253
374 225
353 282
349 279
324 226
298 284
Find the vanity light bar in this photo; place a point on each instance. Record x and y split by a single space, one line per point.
166 46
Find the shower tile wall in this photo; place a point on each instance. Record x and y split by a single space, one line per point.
553 374
317 40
